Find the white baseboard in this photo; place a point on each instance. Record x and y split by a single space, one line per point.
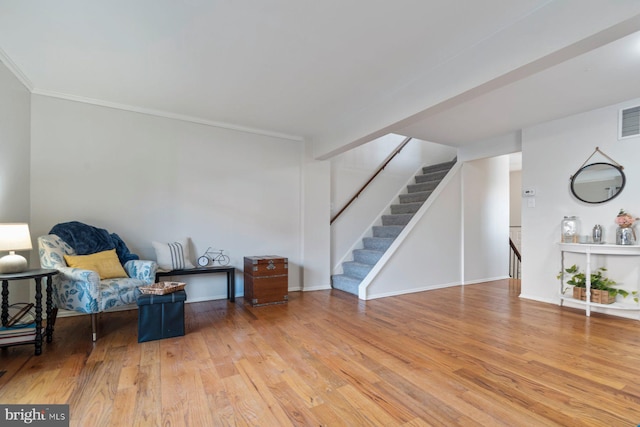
536 298
316 288
487 279
412 290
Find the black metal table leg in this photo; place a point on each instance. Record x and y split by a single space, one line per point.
231 284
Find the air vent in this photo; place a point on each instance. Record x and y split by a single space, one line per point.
629 123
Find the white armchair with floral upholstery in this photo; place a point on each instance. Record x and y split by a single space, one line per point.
83 290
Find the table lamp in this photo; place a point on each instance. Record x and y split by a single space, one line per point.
14 237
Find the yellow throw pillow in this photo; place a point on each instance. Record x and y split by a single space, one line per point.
106 263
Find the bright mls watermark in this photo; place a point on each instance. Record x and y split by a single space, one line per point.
34 415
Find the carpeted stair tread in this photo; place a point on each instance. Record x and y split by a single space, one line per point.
387 230
367 256
356 270
423 186
438 167
431 176
404 208
399 219
345 283
420 196
378 243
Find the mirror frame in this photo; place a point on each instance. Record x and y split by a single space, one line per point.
582 169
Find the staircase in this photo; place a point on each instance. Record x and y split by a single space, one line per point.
383 235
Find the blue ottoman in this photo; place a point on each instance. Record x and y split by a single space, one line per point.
161 316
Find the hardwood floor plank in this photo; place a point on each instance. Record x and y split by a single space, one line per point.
148 402
426 398
218 403
417 422
296 411
176 382
93 398
196 398
124 403
467 355
248 407
372 413
253 378
301 375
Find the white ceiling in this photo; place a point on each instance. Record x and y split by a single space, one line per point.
341 71
603 76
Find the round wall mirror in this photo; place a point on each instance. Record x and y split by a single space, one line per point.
598 182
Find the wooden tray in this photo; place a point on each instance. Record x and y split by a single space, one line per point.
162 288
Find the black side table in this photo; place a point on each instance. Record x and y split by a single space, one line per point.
37 275
231 276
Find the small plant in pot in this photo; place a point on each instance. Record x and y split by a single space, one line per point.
602 290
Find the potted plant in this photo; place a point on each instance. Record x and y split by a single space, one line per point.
602 290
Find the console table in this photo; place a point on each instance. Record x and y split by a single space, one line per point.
230 271
37 275
595 249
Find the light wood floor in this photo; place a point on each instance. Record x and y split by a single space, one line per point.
474 355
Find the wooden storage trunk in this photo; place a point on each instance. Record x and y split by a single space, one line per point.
266 280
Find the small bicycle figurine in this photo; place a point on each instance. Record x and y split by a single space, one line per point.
212 257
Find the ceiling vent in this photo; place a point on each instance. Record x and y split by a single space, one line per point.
629 122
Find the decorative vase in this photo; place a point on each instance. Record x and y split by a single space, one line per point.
625 236
596 234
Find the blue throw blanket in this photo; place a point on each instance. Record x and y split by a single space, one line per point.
86 239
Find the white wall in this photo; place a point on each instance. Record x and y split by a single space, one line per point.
552 152
486 219
316 230
351 170
15 105
150 178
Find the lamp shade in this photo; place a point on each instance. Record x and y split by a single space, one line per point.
15 237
